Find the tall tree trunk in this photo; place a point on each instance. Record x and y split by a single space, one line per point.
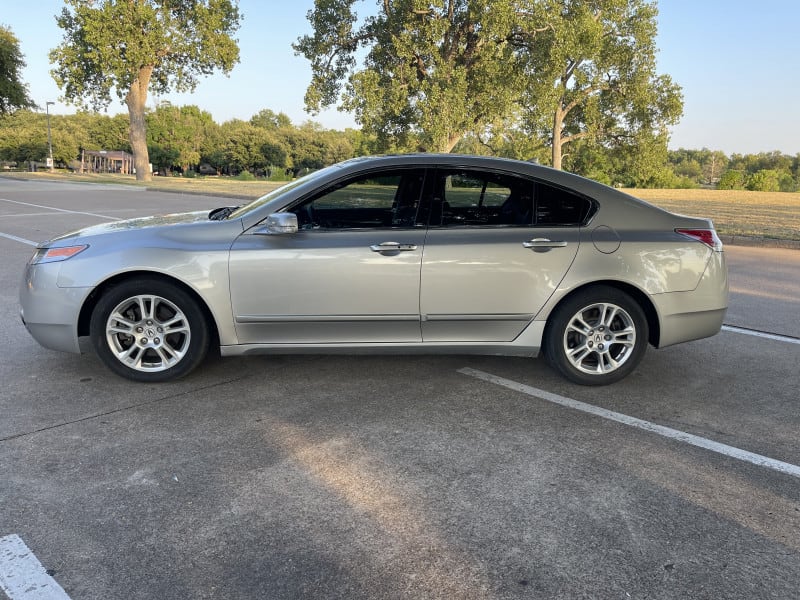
452 140
137 134
558 120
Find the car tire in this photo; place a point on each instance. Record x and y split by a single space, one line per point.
149 330
596 337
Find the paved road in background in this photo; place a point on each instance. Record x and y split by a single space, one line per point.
765 289
399 477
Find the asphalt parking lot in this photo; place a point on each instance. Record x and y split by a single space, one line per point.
398 477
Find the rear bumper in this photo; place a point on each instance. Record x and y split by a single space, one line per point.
697 314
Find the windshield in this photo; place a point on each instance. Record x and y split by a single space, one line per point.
242 210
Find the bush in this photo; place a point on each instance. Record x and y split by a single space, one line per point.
279 174
685 183
246 176
765 180
731 180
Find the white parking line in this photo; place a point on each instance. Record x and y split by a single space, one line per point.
762 334
688 438
64 210
22 576
17 239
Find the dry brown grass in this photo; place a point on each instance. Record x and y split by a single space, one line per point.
757 214
735 212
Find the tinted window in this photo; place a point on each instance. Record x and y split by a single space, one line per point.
555 206
389 199
464 198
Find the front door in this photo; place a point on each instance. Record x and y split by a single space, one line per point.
349 275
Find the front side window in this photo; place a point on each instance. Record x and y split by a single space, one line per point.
376 200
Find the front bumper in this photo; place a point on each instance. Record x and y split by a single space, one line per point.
50 313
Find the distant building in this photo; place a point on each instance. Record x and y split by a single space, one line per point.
106 161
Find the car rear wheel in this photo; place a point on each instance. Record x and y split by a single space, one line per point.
149 330
597 337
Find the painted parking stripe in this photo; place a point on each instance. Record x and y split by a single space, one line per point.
22 576
681 436
762 334
17 239
64 210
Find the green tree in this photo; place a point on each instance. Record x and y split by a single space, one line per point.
312 147
502 70
433 71
246 147
643 164
732 179
23 136
13 92
786 182
268 119
591 73
131 46
109 133
765 180
177 134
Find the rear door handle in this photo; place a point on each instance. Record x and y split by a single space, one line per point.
543 244
389 247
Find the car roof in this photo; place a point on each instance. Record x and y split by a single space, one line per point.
530 168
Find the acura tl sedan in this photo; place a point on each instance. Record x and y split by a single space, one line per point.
395 254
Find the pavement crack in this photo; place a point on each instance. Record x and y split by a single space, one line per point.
121 409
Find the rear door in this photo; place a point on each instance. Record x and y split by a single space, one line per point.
496 250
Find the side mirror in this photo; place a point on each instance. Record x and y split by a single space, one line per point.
279 223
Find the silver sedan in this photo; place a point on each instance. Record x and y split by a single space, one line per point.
399 254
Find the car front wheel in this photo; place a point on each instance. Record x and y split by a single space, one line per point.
597 337
149 330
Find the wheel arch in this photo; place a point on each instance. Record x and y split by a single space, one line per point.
653 323
90 303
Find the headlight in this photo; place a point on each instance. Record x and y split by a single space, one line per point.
48 255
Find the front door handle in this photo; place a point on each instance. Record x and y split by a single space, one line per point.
543 244
389 247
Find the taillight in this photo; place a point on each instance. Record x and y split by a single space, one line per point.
707 236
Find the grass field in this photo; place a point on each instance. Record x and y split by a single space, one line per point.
773 215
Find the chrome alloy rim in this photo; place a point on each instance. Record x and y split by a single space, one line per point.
148 333
599 338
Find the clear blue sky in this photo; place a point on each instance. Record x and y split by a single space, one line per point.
737 61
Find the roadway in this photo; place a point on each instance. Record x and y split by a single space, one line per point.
398 477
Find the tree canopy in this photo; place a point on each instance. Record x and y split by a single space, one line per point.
433 72
181 139
518 74
13 91
591 74
131 46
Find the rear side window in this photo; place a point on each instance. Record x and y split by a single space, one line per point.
556 206
480 198
473 198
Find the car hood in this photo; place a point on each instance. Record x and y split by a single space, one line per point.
169 220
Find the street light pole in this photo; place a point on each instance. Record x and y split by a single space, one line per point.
49 138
